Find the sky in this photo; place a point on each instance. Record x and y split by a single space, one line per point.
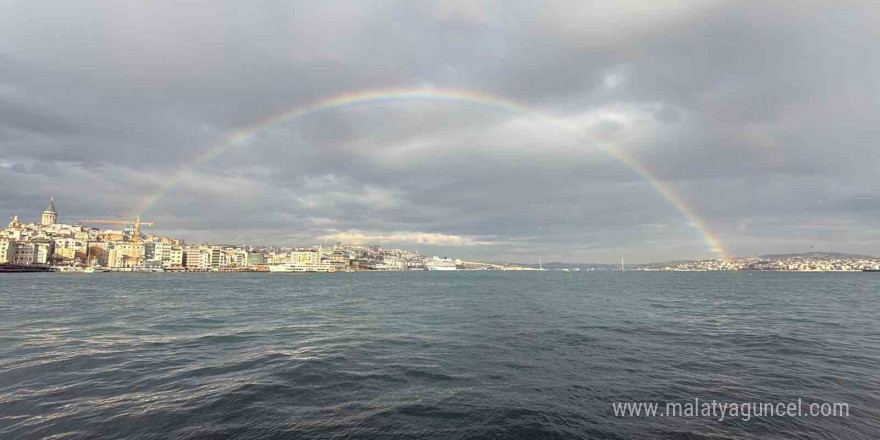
648 131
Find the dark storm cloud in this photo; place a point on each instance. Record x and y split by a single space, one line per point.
762 118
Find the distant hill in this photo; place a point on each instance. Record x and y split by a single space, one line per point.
558 265
665 263
815 255
613 266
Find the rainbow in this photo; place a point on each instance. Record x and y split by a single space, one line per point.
450 95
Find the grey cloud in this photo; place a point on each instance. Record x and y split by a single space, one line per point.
750 112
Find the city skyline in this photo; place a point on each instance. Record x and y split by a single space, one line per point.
124 245
485 131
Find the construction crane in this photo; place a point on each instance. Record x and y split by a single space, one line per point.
137 229
137 225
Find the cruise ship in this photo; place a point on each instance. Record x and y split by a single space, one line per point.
438 263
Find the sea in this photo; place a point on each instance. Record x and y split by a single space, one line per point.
445 355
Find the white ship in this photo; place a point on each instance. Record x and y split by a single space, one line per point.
299 267
438 263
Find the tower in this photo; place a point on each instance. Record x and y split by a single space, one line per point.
50 215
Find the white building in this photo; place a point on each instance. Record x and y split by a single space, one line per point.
125 255
6 249
25 253
160 253
175 258
307 258
192 257
204 259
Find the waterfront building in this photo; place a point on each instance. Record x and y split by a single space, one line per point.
175 258
191 257
126 255
150 252
255 259
44 249
307 258
415 265
391 263
204 259
68 248
6 247
23 253
337 259
159 252
277 258
65 254
236 257
98 253
217 258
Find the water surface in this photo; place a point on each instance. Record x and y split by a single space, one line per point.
439 355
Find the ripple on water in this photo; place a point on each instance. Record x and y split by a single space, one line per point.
411 355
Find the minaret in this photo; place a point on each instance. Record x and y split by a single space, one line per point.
50 215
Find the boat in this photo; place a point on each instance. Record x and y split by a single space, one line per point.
437 263
72 269
25 268
299 267
147 269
